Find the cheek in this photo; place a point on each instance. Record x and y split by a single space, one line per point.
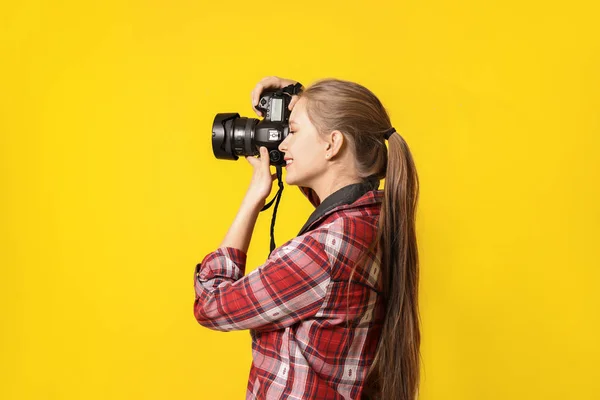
311 164
305 155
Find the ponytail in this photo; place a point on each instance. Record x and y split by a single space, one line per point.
395 372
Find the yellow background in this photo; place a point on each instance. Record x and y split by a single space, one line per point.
110 193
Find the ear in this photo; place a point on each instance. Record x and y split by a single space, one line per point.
335 143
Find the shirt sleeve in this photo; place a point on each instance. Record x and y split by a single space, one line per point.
289 287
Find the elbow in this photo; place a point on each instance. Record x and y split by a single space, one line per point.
209 320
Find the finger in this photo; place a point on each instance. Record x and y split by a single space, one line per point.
293 101
267 161
256 93
269 81
265 83
264 156
254 98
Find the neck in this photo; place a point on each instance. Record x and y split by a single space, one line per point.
327 187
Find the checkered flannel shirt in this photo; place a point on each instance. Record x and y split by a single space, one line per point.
314 331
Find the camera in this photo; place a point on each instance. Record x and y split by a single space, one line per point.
234 136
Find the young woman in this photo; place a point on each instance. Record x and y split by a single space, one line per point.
333 313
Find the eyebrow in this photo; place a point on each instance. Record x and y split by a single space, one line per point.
293 122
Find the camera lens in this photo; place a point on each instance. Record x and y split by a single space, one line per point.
233 136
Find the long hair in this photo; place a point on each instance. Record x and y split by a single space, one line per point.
354 110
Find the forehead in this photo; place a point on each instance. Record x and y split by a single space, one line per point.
298 114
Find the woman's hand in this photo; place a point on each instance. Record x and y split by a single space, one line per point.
262 179
271 82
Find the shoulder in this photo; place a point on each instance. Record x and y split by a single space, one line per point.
344 240
356 222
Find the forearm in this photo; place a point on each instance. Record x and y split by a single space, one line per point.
240 232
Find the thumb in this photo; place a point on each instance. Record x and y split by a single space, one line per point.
263 159
264 155
252 161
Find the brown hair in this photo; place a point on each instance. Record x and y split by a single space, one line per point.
355 111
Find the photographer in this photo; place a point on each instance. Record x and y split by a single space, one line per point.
333 312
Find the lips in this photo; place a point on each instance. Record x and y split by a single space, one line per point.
288 161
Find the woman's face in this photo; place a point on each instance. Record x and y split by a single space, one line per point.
304 149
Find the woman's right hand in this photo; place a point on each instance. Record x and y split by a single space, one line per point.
270 82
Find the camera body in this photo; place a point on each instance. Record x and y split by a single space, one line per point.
234 136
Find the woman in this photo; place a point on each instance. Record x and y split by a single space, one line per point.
333 313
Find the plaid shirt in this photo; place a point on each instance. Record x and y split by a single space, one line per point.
314 331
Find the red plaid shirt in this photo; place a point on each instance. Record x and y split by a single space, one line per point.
314 332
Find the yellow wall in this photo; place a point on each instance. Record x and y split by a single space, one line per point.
110 193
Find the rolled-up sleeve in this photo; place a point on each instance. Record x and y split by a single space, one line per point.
289 287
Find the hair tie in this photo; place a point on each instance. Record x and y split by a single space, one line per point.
389 132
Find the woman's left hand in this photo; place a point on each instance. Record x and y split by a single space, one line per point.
262 178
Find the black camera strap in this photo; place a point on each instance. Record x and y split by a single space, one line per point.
290 90
293 89
269 204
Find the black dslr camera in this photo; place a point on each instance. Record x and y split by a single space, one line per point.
234 136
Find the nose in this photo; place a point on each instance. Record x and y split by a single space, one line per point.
283 145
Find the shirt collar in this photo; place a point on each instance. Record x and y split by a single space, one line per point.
346 195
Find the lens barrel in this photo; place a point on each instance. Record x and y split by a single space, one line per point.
232 136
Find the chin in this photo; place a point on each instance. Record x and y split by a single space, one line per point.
289 180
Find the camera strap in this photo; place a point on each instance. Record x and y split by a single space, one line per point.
293 89
290 90
269 204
